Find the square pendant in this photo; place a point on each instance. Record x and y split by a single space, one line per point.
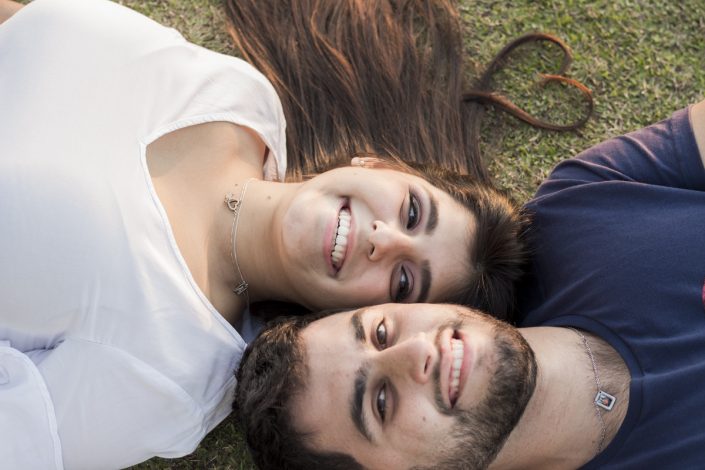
605 400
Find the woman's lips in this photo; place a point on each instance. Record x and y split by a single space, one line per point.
338 239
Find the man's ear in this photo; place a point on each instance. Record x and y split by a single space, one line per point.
370 162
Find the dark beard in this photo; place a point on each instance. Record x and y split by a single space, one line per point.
481 431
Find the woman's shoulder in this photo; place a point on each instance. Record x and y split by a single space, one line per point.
100 19
152 79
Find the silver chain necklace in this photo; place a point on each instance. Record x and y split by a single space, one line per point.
603 400
235 205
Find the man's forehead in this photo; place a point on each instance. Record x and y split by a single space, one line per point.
321 409
326 339
330 322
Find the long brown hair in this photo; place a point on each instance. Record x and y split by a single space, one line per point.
381 76
385 77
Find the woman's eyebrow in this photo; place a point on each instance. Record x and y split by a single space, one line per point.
431 224
432 220
425 282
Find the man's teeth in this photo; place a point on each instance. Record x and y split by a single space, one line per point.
341 237
457 349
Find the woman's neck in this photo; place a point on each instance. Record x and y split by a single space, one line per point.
258 250
192 170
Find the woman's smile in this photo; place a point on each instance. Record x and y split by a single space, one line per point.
356 236
340 241
339 238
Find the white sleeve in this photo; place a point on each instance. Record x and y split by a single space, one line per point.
114 411
28 431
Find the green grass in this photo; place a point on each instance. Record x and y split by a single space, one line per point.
643 59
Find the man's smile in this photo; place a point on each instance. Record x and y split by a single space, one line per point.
457 349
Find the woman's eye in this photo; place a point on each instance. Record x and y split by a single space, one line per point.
404 286
412 219
381 334
382 402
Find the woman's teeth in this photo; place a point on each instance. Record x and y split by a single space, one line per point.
457 349
341 237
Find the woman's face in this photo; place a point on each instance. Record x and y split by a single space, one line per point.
358 236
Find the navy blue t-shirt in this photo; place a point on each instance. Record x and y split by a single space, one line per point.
618 243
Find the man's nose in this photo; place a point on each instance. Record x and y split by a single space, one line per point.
412 358
385 240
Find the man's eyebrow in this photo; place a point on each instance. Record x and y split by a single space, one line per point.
425 282
356 325
360 384
432 221
356 412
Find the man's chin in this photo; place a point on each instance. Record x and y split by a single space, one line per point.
480 433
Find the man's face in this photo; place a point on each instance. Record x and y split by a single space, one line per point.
397 386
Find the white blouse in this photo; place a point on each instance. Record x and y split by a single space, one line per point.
109 352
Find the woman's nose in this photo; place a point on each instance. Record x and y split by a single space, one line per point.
413 358
385 240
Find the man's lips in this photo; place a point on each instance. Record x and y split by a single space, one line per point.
457 353
456 359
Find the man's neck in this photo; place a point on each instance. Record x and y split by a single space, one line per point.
560 427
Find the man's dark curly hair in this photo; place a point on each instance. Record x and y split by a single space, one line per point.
271 374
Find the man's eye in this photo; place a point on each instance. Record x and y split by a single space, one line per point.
381 334
413 216
404 286
382 402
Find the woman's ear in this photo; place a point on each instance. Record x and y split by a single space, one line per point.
370 162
